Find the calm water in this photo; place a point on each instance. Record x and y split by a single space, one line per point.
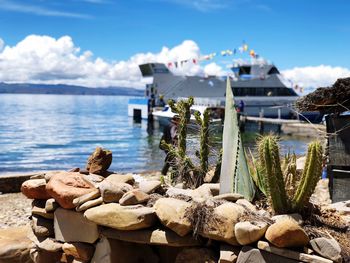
49 132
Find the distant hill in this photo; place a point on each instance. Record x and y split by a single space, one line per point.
67 89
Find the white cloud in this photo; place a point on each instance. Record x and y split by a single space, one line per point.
43 59
9 5
2 43
315 76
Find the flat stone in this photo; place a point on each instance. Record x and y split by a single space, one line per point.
290 254
122 217
228 254
42 227
232 197
161 237
15 245
214 188
121 178
171 213
89 204
71 226
51 205
80 251
300 163
254 255
99 161
196 255
113 250
286 233
221 224
249 232
326 247
149 187
41 212
134 197
112 192
297 217
45 243
64 187
87 197
35 189
204 191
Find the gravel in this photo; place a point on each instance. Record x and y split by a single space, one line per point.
15 210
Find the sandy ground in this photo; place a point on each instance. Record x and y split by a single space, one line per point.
15 210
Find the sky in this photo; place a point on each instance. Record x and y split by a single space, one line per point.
99 43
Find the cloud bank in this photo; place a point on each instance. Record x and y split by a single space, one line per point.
43 59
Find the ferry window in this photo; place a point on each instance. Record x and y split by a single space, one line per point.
273 70
244 70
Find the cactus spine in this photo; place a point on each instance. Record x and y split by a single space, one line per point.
270 161
310 176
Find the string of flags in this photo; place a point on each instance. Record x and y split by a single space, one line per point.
228 52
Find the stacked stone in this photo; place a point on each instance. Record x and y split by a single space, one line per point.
81 216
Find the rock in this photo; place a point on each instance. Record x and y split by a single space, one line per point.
171 213
290 254
214 188
89 204
41 212
286 233
86 197
342 207
249 232
80 251
196 255
122 217
204 191
42 227
121 178
15 245
112 250
51 205
84 171
99 161
49 245
300 163
49 174
43 256
95 179
254 255
232 197
221 223
112 192
65 187
134 197
228 254
71 226
149 186
297 217
35 189
74 170
163 237
247 205
328 248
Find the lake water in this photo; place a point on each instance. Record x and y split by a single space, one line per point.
50 132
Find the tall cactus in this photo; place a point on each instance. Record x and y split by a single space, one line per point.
310 176
270 162
204 140
182 108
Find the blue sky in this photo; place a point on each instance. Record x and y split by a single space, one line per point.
291 33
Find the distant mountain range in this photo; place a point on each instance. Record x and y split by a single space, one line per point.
67 89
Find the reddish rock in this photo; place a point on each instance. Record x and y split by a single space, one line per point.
64 187
35 189
99 161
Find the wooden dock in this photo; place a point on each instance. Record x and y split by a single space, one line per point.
289 127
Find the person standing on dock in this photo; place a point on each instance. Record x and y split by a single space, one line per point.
241 106
169 137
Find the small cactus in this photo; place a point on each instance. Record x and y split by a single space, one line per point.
310 176
270 162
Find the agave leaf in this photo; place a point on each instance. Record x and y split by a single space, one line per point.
234 176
